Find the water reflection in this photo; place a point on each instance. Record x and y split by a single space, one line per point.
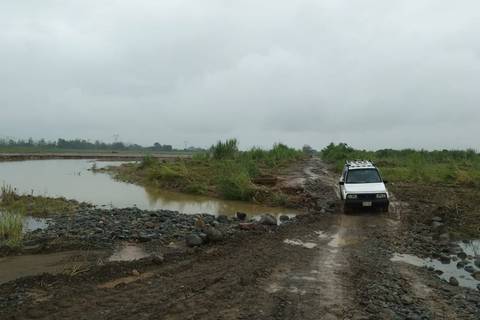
447 270
72 179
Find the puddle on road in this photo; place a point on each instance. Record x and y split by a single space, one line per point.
128 252
308 245
14 267
448 270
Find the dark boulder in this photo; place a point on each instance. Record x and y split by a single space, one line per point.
193 240
268 220
241 216
214 235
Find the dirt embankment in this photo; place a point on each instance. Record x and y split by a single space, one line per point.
321 266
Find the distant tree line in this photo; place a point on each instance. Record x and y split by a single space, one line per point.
81 144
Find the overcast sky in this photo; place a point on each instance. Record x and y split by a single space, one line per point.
372 73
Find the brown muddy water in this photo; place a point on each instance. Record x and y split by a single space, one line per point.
72 179
69 262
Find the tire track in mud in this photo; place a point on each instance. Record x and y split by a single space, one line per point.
319 287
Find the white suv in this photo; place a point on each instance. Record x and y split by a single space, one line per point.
361 185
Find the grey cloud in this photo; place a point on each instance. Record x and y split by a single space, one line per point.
373 73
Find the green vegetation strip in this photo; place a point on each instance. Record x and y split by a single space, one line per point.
36 206
223 171
420 166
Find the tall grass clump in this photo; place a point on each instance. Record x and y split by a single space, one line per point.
8 194
461 167
11 228
225 150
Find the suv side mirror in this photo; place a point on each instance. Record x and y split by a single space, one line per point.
341 183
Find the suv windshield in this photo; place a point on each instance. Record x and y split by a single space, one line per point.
363 176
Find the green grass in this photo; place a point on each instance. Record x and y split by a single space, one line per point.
11 229
223 171
446 166
30 205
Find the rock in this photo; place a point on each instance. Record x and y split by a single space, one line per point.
200 224
247 226
461 264
268 220
478 287
203 236
437 219
444 237
477 262
439 272
284 218
453 281
469 269
222 218
193 240
476 275
145 237
445 259
436 224
157 259
407 300
214 235
135 273
241 216
462 255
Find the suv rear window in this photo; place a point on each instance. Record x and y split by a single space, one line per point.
363 176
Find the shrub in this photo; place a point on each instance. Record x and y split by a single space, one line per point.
148 161
225 150
236 187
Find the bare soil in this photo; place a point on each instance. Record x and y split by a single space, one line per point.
324 265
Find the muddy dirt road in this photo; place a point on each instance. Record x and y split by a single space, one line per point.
323 266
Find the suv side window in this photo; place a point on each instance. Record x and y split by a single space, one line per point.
344 174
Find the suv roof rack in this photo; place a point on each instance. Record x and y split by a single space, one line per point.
359 163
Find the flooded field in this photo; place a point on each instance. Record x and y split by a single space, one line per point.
72 179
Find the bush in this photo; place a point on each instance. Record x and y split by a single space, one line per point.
148 161
225 150
236 187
